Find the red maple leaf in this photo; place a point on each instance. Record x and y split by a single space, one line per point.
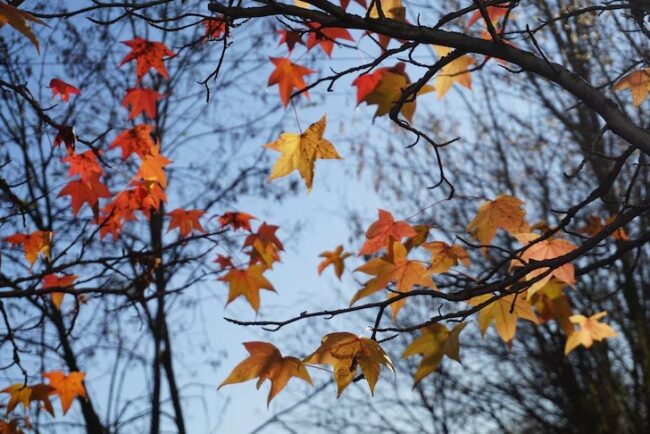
325 37
236 219
494 13
141 101
287 75
214 27
66 135
147 55
85 165
186 221
290 38
60 87
385 229
224 262
85 192
366 83
136 140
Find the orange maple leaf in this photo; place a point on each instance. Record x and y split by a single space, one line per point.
591 329
444 256
20 393
186 221
147 55
504 212
504 312
141 101
346 352
60 87
639 84
247 282
85 192
62 282
68 387
214 28
224 262
288 75
85 165
152 167
383 231
136 140
335 258
325 37
18 19
265 362
38 242
455 72
494 13
237 220
595 224
264 245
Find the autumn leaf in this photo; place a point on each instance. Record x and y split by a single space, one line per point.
61 282
639 84
152 167
264 245
247 282
382 232
444 256
20 393
494 13
591 329
66 135
346 352
265 362
290 38
186 221
34 244
85 165
288 76
67 387
147 55
141 101
550 302
236 220
392 9
384 87
85 192
214 27
436 341
454 72
325 37
60 87
594 224
504 212
335 258
404 272
300 151
504 311
345 3
224 262
137 141
19 20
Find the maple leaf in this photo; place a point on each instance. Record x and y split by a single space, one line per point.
300 151
547 249
34 244
214 28
265 362
551 303
68 387
404 272
136 140
444 256
20 393
85 165
346 352
384 87
66 135
436 341
141 101
60 87
10 427
494 13
325 37
421 235
147 55
454 72
382 232
247 282
62 282
264 245
504 311
19 20
290 38
335 258
237 220
595 224
85 192
288 75
639 84
591 329
345 3
152 167
186 221
504 212
392 9
224 262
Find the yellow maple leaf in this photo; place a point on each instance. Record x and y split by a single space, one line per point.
247 282
504 212
346 352
505 312
68 387
638 82
335 258
19 20
393 9
591 329
454 72
389 91
435 342
265 362
444 256
300 151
